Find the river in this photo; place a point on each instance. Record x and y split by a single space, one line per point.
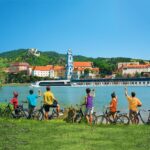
70 96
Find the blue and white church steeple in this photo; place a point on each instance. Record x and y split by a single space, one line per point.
69 65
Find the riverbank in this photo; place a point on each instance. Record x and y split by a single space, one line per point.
17 84
57 134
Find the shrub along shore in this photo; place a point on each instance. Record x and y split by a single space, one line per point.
57 134
17 84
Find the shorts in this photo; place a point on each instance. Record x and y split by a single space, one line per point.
88 111
112 113
31 109
132 114
47 107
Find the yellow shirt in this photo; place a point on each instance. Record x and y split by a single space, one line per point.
133 103
48 98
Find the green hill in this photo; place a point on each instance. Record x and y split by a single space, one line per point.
107 65
45 58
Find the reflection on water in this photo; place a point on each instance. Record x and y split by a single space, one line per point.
68 96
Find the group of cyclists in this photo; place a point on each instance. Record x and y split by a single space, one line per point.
133 103
50 101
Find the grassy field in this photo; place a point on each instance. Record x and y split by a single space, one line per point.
58 135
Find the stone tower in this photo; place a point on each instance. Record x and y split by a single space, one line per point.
69 65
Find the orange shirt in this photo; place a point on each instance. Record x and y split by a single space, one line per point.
113 105
133 103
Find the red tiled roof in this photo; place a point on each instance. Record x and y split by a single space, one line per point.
20 64
82 64
43 68
82 69
137 66
79 69
59 68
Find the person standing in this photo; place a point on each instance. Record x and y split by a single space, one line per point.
134 103
89 105
113 105
32 101
50 101
14 102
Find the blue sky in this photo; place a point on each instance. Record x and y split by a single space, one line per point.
96 28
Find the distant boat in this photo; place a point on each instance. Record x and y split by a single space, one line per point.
51 83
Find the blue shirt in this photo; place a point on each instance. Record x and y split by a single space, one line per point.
32 99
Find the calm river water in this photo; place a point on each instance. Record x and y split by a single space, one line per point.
68 96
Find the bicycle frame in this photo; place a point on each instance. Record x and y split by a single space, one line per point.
140 116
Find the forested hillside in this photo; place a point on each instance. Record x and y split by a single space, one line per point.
107 65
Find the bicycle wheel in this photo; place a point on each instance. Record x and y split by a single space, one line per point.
23 114
78 118
94 119
37 115
101 120
144 116
123 119
7 113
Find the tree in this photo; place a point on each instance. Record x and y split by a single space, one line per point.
119 75
137 75
86 71
129 75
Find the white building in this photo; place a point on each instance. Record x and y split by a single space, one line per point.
47 71
122 64
43 71
133 69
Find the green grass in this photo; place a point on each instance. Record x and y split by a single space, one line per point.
58 135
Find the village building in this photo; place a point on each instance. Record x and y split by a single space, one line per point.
18 67
42 71
134 69
50 71
122 64
84 70
59 72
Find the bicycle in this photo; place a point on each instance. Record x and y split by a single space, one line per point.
141 115
80 115
8 111
19 112
37 114
106 118
54 114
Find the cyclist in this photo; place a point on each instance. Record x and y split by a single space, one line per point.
113 105
89 105
32 101
50 101
14 102
134 102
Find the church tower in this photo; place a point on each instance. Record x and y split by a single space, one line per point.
69 65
